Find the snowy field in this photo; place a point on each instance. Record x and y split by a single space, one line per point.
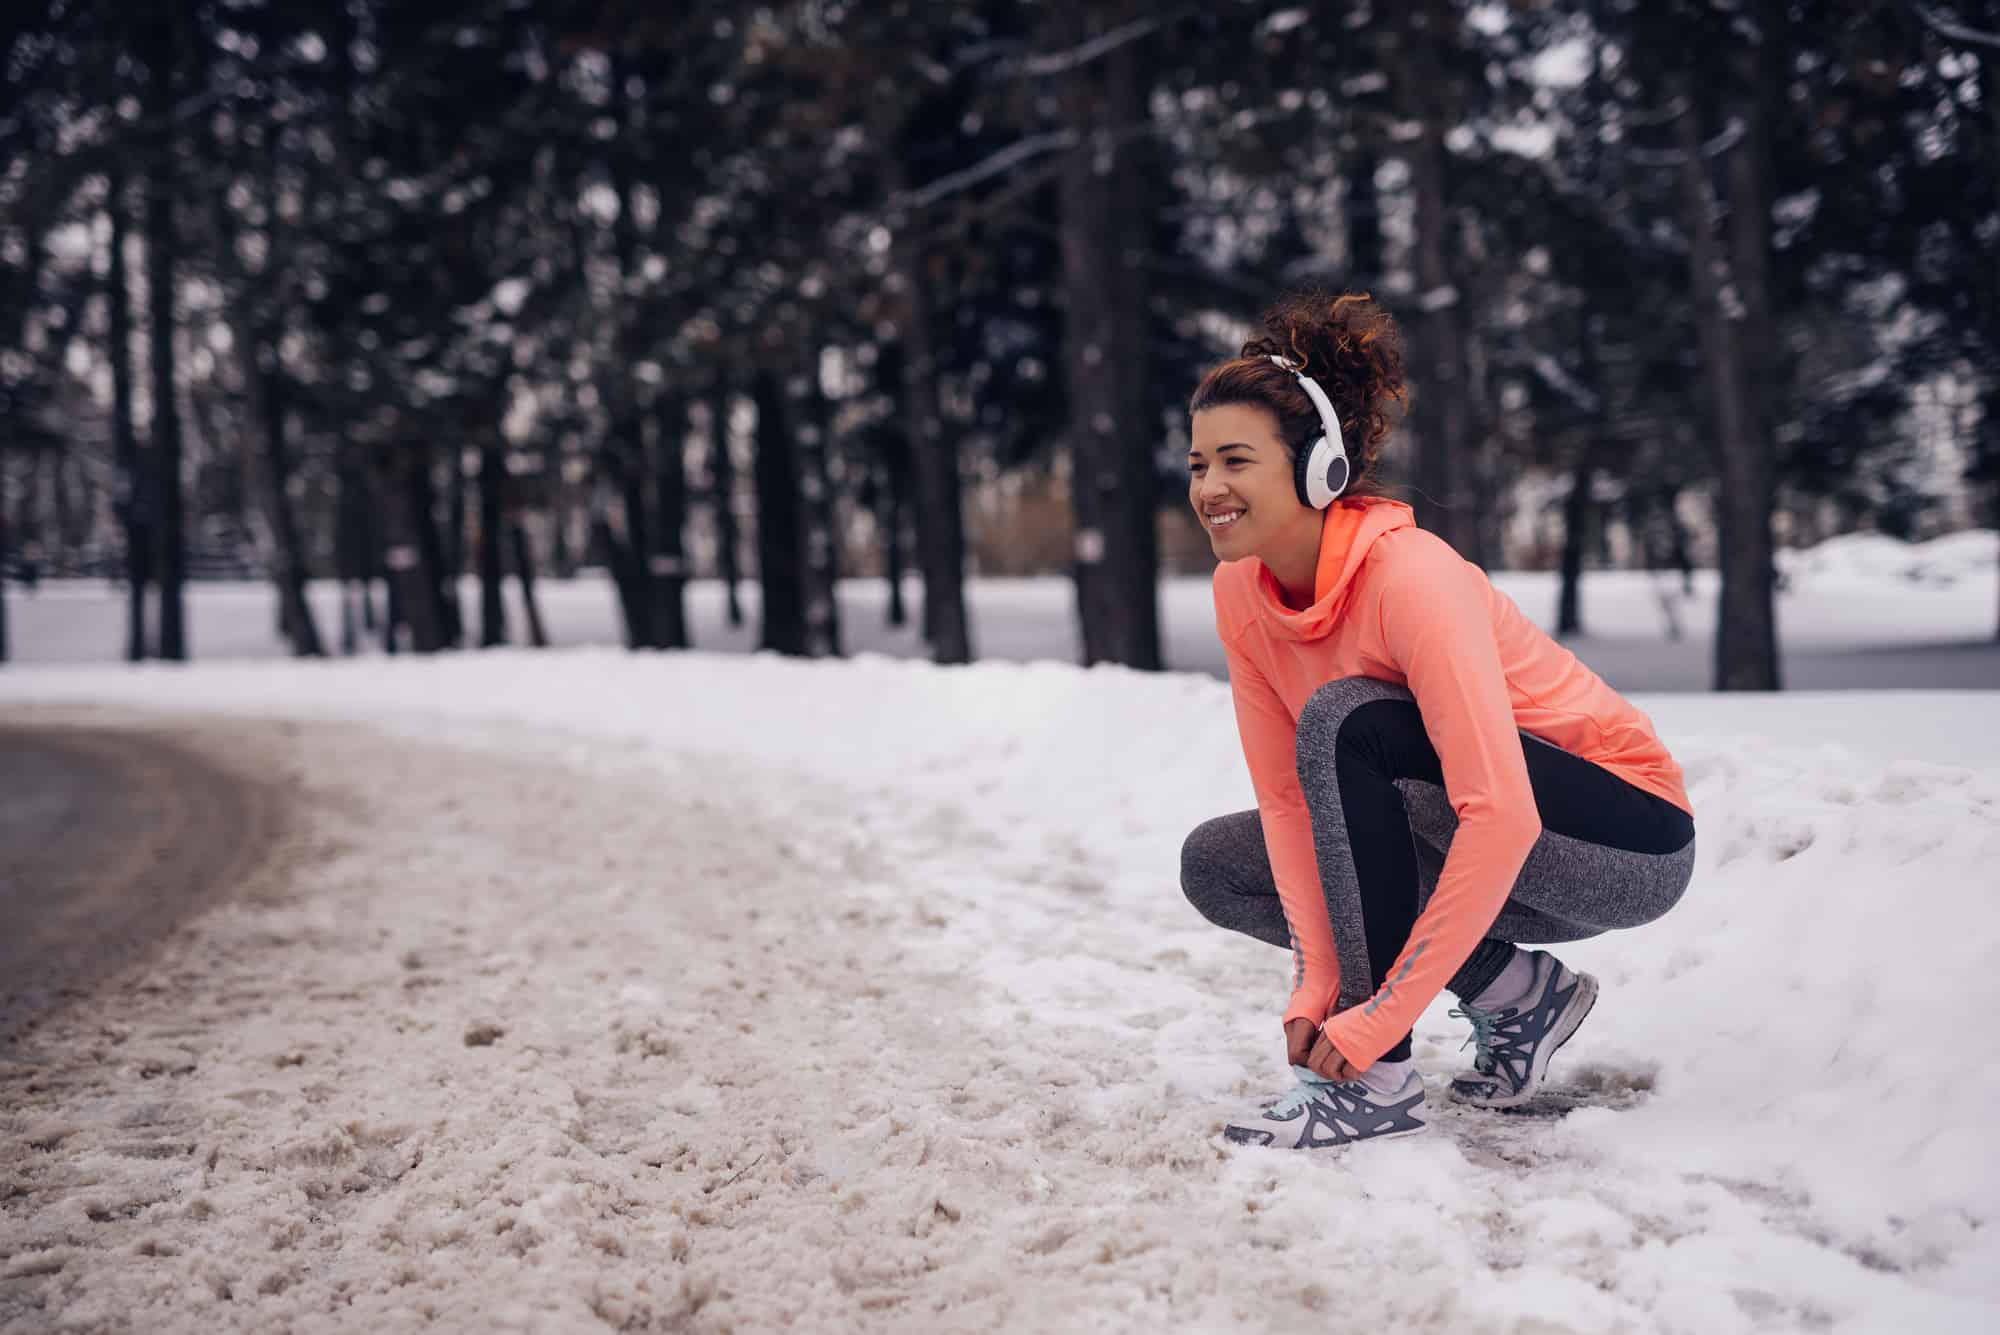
1858 611
598 991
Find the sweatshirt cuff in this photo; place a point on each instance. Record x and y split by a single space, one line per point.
1349 1035
1310 1002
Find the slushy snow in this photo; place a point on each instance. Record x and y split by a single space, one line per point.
702 992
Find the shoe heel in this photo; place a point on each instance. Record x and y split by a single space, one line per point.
1580 1008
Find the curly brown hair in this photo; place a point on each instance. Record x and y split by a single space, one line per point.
1350 345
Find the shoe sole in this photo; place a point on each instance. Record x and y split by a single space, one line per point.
1573 1016
1222 1140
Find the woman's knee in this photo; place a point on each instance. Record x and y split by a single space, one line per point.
1650 896
1222 862
1205 866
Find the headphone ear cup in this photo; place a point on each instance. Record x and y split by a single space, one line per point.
1336 477
1321 474
1302 466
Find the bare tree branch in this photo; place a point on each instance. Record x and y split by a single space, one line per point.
1729 137
1021 150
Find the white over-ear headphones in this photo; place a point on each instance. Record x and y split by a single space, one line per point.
1320 471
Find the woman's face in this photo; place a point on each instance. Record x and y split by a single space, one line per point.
1240 482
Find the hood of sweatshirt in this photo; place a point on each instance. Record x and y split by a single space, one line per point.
1350 529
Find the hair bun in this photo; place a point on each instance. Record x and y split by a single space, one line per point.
1352 347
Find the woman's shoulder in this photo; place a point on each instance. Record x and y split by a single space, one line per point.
1417 553
1235 588
1235 581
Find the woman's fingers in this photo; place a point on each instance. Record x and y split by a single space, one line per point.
1327 1062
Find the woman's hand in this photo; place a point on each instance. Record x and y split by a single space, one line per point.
1325 1060
1299 1036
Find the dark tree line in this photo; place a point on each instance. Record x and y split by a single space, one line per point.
389 294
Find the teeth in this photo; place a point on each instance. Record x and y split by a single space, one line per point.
1224 520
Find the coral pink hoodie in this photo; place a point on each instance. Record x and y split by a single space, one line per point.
1394 602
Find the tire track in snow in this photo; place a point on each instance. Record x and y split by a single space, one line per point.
108 836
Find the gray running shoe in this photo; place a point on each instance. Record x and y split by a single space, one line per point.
1516 1042
1321 1114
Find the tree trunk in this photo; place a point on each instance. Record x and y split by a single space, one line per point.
780 524
822 540
1576 519
1680 550
622 393
668 561
350 621
895 504
133 507
624 560
415 555
3 558
1986 449
722 482
451 562
62 530
1445 502
492 479
27 506
162 254
637 543
524 570
291 569
559 556
1107 352
893 490
934 456
1746 633
350 548
1363 210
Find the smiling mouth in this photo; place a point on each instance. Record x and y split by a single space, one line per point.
1224 519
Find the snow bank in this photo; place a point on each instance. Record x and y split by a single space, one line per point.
1778 1123
1971 554
1935 601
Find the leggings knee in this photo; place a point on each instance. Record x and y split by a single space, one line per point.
1646 898
1204 871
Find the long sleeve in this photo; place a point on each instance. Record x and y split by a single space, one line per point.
1270 747
1437 626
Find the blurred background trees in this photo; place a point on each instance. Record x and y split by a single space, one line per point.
391 294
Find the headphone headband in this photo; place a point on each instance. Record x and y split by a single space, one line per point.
1329 421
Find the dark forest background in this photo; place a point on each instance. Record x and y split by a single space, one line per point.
383 291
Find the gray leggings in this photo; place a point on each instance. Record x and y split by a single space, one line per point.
1610 855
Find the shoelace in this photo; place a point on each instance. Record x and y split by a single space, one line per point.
1308 1088
1483 1033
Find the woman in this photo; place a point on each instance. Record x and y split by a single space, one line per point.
1436 779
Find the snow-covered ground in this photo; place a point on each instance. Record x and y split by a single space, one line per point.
1858 611
716 992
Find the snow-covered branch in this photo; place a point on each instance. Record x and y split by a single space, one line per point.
1954 31
1552 374
1060 62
